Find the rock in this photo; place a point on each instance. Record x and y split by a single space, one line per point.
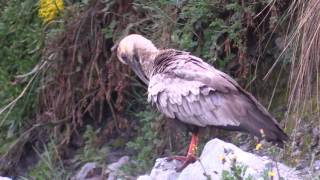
316 165
165 170
144 177
220 159
88 172
113 170
5 178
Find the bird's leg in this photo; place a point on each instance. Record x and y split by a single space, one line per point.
193 147
191 155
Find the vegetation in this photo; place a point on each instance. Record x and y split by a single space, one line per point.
46 168
21 38
64 96
237 171
147 136
21 43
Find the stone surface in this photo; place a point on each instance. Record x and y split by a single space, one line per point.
218 158
87 172
113 170
94 171
5 178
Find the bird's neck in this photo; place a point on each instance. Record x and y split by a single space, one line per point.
147 61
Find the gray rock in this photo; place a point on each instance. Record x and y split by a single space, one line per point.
113 170
5 178
165 170
316 165
144 177
85 171
218 158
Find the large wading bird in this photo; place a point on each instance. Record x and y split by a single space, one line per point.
186 88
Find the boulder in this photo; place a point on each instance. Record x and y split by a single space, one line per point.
221 160
5 178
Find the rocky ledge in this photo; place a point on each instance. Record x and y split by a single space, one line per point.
221 160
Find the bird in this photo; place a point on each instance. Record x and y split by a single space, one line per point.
186 88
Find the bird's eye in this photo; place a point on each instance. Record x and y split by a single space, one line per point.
124 58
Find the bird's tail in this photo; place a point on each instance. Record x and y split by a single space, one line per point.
262 124
265 127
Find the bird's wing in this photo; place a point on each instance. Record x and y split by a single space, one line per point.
180 95
198 94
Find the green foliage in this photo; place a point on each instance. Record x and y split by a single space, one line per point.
50 166
108 31
146 143
47 167
211 29
237 171
90 151
21 42
206 27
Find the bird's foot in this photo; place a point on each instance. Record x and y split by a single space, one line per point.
191 155
186 160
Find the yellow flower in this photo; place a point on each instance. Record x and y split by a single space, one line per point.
258 146
49 9
223 159
271 174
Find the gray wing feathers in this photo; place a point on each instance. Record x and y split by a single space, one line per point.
191 102
184 87
206 77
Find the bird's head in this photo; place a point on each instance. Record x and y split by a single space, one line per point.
139 53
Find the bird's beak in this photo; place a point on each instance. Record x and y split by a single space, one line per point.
136 67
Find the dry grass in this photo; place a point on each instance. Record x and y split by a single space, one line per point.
84 80
81 80
302 44
304 100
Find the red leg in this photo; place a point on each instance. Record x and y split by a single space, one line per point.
191 156
193 147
